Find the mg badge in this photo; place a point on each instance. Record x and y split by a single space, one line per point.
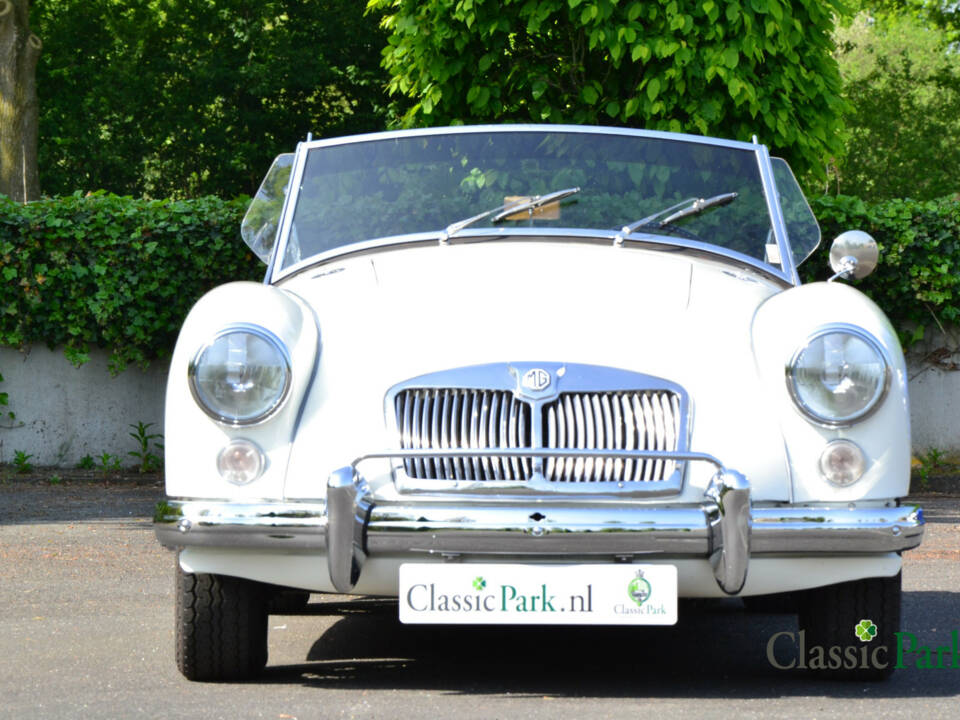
536 379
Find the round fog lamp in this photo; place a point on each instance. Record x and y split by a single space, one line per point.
241 462
842 462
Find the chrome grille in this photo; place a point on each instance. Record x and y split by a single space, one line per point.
460 419
641 420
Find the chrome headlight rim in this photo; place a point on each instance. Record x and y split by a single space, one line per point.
263 334
875 401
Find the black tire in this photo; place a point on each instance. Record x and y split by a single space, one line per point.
221 627
829 615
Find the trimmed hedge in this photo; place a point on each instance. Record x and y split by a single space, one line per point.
114 272
121 273
917 281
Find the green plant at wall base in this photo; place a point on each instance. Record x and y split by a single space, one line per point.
109 463
114 272
148 460
86 463
21 461
930 460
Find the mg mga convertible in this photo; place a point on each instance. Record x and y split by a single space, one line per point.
527 374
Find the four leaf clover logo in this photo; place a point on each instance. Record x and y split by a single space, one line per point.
866 630
479 583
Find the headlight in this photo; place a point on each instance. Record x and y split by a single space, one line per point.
839 376
242 376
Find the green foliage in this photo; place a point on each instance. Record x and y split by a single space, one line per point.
108 463
113 272
731 69
931 460
182 99
917 282
149 461
21 461
902 79
86 463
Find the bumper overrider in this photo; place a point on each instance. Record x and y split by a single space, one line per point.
351 525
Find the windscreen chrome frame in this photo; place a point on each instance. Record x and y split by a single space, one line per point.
786 272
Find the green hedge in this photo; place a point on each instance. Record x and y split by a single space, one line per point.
119 273
917 282
114 272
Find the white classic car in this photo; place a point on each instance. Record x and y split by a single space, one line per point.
537 375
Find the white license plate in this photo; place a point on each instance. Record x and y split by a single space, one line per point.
507 594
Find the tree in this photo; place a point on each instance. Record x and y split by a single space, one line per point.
181 98
19 51
733 69
901 76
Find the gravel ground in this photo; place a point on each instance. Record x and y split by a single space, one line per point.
86 631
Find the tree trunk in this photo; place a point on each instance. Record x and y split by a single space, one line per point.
19 51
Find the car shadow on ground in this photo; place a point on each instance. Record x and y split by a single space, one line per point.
717 650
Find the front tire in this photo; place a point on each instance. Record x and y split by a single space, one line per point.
830 615
221 627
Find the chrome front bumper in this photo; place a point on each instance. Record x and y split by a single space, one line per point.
724 528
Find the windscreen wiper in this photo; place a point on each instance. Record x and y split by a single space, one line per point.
691 206
504 211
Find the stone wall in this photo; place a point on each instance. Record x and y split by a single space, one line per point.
63 412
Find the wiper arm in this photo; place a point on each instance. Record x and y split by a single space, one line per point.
504 211
694 206
699 206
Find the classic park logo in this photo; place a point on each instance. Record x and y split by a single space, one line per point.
864 654
639 589
568 595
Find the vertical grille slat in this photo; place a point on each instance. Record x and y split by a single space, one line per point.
608 441
623 420
513 439
464 418
650 436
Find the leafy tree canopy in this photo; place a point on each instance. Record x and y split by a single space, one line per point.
174 98
732 69
901 76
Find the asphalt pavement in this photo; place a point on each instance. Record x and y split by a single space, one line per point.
86 631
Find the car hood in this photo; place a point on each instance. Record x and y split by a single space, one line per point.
391 316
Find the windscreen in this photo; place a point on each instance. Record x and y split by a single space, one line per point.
381 188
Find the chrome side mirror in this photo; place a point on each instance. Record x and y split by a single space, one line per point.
853 255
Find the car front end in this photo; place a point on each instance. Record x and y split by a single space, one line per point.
552 393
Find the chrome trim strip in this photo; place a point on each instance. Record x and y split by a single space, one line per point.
286 215
654 243
639 529
263 525
723 528
538 486
798 530
531 127
776 215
